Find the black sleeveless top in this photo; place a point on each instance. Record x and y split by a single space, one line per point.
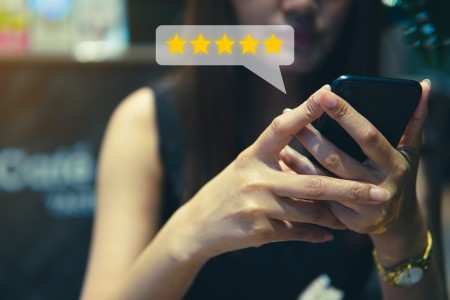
273 271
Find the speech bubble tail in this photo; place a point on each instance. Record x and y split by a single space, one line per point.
270 73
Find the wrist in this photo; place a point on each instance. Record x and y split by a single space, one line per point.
180 239
409 272
404 239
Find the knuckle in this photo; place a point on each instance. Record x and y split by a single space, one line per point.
252 210
264 232
341 110
260 232
402 169
251 183
332 161
314 187
277 126
356 191
242 159
311 108
370 137
248 180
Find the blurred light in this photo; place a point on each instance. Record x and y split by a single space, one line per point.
52 10
91 51
391 3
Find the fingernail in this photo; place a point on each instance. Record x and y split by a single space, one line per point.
428 81
379 194
286 110
326 87
329 102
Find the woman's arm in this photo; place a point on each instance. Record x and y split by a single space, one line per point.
128 191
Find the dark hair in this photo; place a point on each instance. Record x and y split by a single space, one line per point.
211 100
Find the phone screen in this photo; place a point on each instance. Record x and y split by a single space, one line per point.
387 103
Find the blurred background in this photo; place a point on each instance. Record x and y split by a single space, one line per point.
64 66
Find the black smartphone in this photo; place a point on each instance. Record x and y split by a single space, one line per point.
386 102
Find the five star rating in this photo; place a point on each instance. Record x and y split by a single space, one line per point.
262 49
225 45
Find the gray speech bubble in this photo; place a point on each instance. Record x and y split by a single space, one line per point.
260 48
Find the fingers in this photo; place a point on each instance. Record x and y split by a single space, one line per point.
371 141
284 127
332 158
411 140
299 163
304 212
292 231
313 187
364 219
285 167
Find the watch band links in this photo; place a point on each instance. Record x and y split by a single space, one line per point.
409 272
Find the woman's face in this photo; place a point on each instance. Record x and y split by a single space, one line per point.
317 25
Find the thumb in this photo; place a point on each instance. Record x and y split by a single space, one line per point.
411 140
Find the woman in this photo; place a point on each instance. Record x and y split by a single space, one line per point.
192 177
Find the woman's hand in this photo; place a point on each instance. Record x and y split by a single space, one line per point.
392 169
253 202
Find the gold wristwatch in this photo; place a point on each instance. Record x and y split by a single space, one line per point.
407 273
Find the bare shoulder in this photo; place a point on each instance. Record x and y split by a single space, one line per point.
129 158
133 124
137 110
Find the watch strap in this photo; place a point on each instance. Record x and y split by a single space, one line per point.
393 275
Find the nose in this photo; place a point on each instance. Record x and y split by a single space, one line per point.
300 6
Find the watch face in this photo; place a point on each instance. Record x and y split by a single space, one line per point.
409 277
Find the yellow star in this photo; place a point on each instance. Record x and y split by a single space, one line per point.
225 44
176 45
249 45
200 45
273 45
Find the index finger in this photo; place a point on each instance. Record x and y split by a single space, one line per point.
284 127
376 147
